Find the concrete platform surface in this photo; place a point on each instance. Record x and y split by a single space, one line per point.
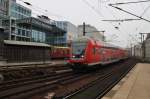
51 62
136 84
58 62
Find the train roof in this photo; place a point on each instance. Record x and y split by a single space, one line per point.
105 44
110 45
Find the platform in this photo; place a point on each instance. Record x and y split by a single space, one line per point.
52 62
135 85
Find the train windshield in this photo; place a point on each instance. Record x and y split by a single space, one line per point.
78 48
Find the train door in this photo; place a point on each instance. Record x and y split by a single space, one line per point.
102 54
93 54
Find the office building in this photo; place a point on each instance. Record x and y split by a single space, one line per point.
11 11
17 24
71 31
39 31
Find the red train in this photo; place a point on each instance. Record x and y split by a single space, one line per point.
60 52
88 52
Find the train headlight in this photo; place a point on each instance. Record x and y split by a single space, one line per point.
73 56
82 56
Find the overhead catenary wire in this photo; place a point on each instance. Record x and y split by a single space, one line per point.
130 37
145 11
134 14
121 20
97 11
124 32
93 8
129 13
122 3
101 15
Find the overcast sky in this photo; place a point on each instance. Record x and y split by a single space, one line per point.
93 11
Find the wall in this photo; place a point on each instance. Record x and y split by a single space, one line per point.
20 53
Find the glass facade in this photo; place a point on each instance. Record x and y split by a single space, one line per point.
23 34
3 7
18 11
35 31
56 39
38 36
71 31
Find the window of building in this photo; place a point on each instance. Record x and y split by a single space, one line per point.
28 33
23 33
19 32
18 38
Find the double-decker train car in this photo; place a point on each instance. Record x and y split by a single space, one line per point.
60 52
88 52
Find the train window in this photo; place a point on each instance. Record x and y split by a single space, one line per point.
68 52
54 51
94 51
78 48
97 51
65 52
101 50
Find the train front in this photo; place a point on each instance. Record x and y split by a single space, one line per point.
78 54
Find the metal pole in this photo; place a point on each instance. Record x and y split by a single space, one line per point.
141 38
134 51
131 50
83 28
103 35
144 51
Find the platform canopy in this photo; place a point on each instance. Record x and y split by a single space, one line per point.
11 42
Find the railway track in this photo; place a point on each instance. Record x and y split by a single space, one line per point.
30 80
66 84
19 72
17 88
96 89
